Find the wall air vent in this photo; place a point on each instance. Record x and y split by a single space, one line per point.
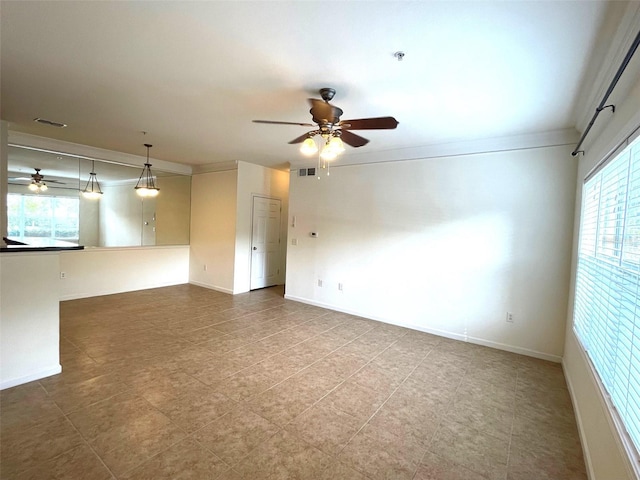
302 172
44 121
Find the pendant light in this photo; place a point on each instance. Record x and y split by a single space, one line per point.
146 186
92 190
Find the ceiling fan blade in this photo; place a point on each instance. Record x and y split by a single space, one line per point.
376 123
353 139
324 112
299 139
272 122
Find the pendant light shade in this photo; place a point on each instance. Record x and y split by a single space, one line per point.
309 147
92 190
146 186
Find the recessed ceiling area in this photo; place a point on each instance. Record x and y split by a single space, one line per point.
195 74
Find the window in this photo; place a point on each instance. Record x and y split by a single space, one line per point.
607 310
41 216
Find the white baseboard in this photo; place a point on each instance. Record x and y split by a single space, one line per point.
579 423
440 333
31 377
212 287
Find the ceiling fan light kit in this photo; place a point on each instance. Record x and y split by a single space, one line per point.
37 184
333 131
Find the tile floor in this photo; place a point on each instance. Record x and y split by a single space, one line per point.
188 383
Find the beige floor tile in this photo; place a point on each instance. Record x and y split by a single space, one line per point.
337 470
414 422
216 370
474 392
70 397
433 467
306 353
166 387
185 460
435 396
382 458
559 438
125 431
528 463
278 366
26 405
356 400
151 380
474 449
234 435
196 407
382 379
246 383
284 456
495 420
24 449
285 401
78 463
325 428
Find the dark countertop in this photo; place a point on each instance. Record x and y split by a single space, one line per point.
37 245
35 248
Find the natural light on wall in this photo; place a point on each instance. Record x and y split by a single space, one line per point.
607 313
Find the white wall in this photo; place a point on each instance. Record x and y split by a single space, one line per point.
29 317
213 229
104 271
89 221
120 217
267 182
605 454
444 245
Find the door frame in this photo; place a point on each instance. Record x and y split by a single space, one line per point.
280 253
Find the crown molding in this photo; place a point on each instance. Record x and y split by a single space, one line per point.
215 167
92 153
468 147
624 36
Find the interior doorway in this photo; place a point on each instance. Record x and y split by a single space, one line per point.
265 242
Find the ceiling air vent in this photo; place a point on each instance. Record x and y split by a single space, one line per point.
44 121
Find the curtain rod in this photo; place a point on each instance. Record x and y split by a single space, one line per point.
612 85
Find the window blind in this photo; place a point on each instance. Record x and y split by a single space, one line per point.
607 306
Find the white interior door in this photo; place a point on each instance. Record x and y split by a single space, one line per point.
148 221
265 242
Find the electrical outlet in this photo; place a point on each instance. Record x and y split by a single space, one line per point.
294 241
510 317
204 267
340 287
63 275
319 282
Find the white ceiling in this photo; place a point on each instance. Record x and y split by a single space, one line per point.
194 74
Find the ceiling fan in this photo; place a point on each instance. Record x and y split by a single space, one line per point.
37 181
329 125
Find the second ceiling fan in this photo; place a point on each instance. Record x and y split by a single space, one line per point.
329 125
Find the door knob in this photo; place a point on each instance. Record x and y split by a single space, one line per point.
255 248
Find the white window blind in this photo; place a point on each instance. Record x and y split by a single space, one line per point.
607 306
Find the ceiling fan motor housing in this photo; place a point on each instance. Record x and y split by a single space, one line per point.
327 94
